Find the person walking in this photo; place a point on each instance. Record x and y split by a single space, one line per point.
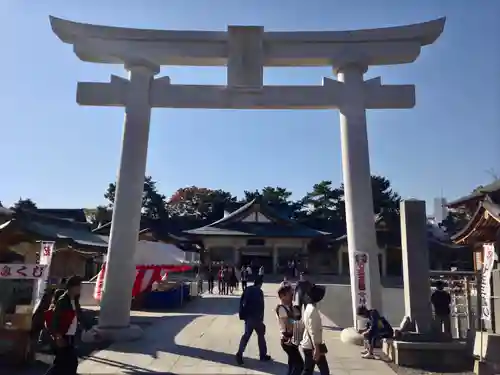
302 288
312 341
199 282
249 272
261 274
229 280
244 278
441 301
211 280
291 328
226 277
233 280
62 322
252 313
220 279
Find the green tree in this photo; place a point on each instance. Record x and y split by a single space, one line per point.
385 200
24 205
324 207
153 203
278 198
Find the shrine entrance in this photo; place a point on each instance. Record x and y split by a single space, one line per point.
245 50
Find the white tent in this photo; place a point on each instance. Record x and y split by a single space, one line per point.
158 254
153 261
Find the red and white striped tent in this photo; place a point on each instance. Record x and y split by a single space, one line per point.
154 260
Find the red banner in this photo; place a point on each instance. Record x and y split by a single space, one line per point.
145 276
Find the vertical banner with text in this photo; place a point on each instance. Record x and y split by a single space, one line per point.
488 262
46 253
362 268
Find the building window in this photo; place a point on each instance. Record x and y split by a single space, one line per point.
256 242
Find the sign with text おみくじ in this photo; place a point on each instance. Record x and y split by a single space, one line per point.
22 271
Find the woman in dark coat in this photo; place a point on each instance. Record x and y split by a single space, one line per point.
234 279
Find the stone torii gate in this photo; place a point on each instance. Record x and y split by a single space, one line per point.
245 51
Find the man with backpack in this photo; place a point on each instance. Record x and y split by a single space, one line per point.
62 321
377 328
252 313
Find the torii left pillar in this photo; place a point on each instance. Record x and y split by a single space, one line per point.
114 317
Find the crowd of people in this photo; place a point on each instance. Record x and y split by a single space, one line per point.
301 329
299 321
229 279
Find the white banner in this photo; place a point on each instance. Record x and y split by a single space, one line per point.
362 289
488 261
22 271
46 253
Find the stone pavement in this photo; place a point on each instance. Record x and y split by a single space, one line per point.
203 337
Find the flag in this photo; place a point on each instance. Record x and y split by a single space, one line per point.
45 258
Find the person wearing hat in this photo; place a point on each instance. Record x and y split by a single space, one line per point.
62 324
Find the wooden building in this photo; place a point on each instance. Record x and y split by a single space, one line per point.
483 205
166 231
76 247
255 233
443 253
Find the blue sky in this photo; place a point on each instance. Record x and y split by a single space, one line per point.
63 155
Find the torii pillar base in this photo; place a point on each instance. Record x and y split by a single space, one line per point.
98 334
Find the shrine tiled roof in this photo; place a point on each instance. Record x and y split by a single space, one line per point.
478 194
276 224
75 214
4 211
438 239
483 226
162 230
40 226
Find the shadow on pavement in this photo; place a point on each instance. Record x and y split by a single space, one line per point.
161 337
336 305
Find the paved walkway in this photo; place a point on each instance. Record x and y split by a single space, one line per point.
203 337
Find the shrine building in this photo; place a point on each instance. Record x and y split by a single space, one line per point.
484 224
255 233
